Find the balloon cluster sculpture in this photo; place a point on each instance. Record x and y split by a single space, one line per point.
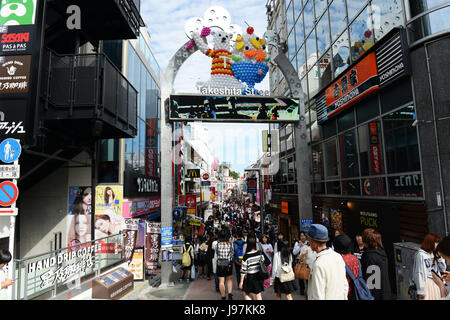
232 66
251 64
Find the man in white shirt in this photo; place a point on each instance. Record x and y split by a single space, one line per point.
327 280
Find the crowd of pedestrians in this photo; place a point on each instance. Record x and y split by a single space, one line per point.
339 268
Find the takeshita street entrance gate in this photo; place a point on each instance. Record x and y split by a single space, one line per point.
234 69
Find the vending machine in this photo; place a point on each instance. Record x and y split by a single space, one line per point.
404 263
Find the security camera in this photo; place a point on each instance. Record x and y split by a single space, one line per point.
415 123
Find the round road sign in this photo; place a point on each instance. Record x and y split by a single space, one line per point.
8 193
205 176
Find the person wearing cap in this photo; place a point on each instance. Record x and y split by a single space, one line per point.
327 280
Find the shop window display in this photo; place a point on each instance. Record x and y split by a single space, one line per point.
373 187
408 185
351 187
333 187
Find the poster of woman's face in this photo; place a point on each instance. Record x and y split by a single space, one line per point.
79 219
108 210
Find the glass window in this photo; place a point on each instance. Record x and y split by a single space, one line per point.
129 154
323 34
409 185
371 149
289 17
320 6
387 14
301 64
283 167
317 162
313 80
291 169
341 52
108 161
334 187
299 34
338 18
349 155
368 109
326 74
361 35
311 51
298 6
331 158
354 6
308 16
396 96
319 188
142 138
373 187
402 149
431 23
346 121
291 45
329 128
351 187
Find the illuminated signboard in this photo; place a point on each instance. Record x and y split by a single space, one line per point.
233 108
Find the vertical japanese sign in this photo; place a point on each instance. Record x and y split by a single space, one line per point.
191 203
152 246
375 150
131 230
151 148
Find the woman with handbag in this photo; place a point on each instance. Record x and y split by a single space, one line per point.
426 269
251 282
283 276
225 254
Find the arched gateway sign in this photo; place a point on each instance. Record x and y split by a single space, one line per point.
239 60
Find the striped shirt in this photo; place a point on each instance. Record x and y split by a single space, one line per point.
250 262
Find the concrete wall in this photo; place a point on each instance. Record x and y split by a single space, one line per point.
434 127
43 209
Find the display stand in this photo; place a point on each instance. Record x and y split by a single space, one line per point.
113 285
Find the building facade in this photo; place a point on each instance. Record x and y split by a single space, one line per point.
376 110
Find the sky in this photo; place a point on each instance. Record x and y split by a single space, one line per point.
241 145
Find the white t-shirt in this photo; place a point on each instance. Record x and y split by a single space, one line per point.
265 247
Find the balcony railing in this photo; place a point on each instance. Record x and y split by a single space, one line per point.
88 86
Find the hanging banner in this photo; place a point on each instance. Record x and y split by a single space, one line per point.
152 246
131 230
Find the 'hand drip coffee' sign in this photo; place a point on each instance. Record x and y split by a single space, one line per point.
14 74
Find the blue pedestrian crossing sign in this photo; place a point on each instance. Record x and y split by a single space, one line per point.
10 150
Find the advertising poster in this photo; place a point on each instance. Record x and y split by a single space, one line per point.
325 217
166 236
16 39
336 219
79 219
136 266
152 246
108 210
131 230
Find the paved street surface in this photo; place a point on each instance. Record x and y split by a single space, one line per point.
200 289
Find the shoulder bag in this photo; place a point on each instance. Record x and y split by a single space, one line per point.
301 270
286 274
263 273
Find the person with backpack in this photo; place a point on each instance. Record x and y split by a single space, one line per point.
238 246
282 268
224 260
187 260
201 258
357 287
327 279
250 281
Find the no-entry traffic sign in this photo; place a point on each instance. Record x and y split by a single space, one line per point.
8 193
